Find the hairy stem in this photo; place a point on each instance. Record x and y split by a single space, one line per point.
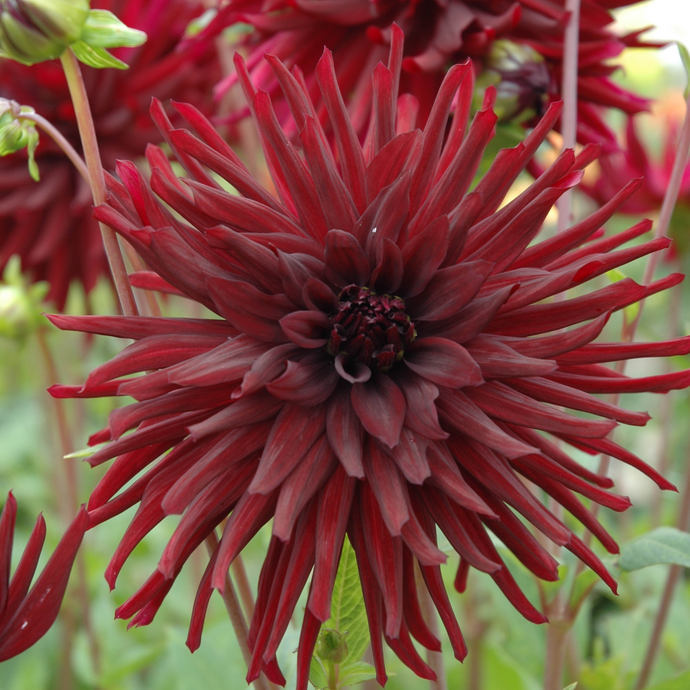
87 132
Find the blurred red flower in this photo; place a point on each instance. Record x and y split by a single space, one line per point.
49 223
437 35
385 361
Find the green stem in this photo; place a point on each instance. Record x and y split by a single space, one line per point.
55 134
87 132
237 619
332 676
69 501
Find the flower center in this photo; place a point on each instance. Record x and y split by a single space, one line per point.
370 328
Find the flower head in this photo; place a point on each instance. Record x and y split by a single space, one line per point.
385 361
49 223
26 615
437 35
37 30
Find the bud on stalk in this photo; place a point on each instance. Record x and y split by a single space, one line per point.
36 30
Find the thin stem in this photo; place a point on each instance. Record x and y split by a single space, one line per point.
243 586
555 654
237 619
69 499
669 589
569 93
87 132
60 140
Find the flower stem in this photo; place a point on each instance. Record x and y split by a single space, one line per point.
69 501
237 619
87 132
55 134
569 93
243 586
669 589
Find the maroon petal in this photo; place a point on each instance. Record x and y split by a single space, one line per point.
307 382
421 414
39 609
294 432
380 406
346 262
308 329
410 456
423 255
388 486
345 433
443 362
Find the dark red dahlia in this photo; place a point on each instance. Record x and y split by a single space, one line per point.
437 35
49 223
387 360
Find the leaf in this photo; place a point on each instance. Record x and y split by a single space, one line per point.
355 673
685 59
681 682
572 686
583 585
348 614
663 545
317 675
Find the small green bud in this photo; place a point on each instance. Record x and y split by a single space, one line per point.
17 133
36 30
21 304
331 646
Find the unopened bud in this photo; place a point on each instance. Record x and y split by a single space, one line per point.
17 133
21 303
521 78
36 30
331 646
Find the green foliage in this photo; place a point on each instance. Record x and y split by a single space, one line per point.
666 545
345 635
681 682
685 59
17 133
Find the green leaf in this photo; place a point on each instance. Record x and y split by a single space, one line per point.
348 615
685 59
356 673
583 585
663 545
572 686
99 58
104 30
317 675
681 682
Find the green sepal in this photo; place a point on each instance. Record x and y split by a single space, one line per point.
99 58
104 30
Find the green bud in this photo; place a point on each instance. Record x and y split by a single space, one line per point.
21 304
36 30
16 133
331 646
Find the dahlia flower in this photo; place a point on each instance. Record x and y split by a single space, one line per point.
437 35
49 223
25 616
385 361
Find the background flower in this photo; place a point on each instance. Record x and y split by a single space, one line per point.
384 363
49 223
438 34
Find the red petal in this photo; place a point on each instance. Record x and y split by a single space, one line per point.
443 362
380 406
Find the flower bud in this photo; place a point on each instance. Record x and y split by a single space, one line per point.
331 646
21 304
521 78
36 30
